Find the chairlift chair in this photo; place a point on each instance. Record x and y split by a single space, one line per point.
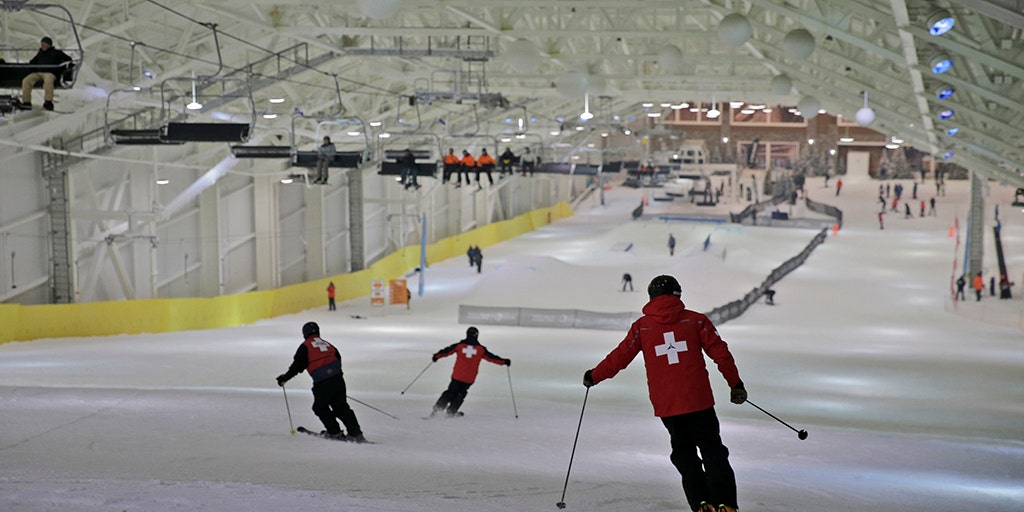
12 73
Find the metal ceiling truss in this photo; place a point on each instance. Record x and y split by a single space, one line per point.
878 46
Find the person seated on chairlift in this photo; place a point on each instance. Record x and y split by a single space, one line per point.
47 56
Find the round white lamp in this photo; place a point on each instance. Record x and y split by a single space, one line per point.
379 9
808 106
781 85
734 30
523 56
670 58
798 44
572 85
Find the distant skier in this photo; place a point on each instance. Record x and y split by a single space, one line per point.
323 362
627 280
769 297
673 340
468 352
979 285
671 244
478 258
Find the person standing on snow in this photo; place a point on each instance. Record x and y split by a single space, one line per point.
468 354
323 362
672 244
330 297
673 340
979 285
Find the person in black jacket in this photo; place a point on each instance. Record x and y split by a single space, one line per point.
323 362
408 162
48 56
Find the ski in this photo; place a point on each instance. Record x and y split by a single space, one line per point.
323 435
444 416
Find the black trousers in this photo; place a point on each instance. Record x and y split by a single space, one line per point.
453 397
707 476
330 404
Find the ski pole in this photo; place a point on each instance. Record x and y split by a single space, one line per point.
417 377
802 434
291 427
561 504
516 412
372 407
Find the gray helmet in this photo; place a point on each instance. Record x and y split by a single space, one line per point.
664 285
309 329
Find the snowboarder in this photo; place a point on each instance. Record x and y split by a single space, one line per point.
673 340
627 280
323 362
769 297
469 352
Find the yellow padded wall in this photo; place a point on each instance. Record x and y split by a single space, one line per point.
19 322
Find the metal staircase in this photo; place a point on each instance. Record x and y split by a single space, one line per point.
976 226
62 279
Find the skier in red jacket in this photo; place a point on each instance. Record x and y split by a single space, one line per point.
469 352
323 362
674 340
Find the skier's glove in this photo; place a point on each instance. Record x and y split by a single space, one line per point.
508 362
738 394
587 379
281 379
433 358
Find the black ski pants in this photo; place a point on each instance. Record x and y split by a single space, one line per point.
330 404
453 397
707 476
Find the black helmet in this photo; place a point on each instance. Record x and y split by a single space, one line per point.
472 333
309 329
664 285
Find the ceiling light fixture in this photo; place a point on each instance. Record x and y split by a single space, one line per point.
940 63
586 115
275 101
714 112
195 105
946 93
940 22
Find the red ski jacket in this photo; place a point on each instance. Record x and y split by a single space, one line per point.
316 356
468 353
674 340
